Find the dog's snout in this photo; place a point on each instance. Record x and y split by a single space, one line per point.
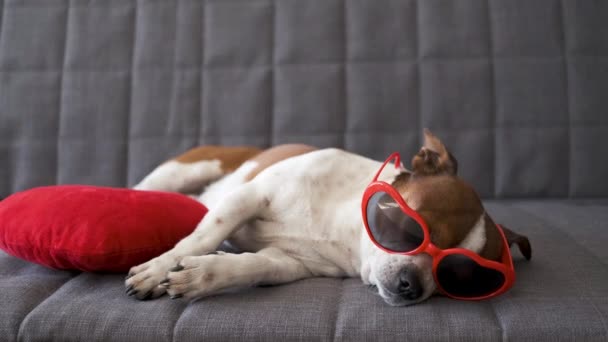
409 284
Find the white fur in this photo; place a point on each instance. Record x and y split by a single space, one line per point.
214 192
476 239
181 177
381 268
298 218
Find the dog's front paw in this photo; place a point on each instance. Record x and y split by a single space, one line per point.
143 280
195 277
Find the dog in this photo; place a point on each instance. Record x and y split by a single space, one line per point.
294 212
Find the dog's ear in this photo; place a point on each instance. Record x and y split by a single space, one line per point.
522 242
434 158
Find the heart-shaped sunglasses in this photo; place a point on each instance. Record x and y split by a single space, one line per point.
396 228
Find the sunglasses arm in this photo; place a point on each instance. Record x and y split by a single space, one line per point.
394 156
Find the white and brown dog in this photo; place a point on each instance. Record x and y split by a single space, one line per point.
294 212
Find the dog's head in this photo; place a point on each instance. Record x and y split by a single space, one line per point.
455 217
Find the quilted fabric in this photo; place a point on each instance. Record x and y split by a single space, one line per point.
99 92
560 295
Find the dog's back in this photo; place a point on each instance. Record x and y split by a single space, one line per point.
313 210
313 198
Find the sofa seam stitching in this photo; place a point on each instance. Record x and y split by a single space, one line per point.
338 309
562 18
529 212
586 250
51 294
273 39
344 76
127 138
493 98
200 73
419 78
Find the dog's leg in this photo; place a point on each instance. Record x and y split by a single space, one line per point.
189 172
208 274
185 178
220 222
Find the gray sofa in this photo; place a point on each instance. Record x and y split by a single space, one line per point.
99 92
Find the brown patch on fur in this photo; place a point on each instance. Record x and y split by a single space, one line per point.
401 179
289 251
276 154
218 221
208 277
449 206
230 157
434 158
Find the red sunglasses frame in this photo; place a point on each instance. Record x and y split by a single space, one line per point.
505 266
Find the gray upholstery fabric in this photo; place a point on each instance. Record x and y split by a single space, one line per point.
560 295
100 92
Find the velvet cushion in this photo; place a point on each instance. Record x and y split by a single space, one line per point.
90 228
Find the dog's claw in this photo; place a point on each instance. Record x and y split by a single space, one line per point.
129 289
165 283
177 268
148 295
176 296
132 292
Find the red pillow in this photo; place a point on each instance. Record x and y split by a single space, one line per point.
94 228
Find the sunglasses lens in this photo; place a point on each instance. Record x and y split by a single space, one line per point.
461 276
390 226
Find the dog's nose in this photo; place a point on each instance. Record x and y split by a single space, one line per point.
409 284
